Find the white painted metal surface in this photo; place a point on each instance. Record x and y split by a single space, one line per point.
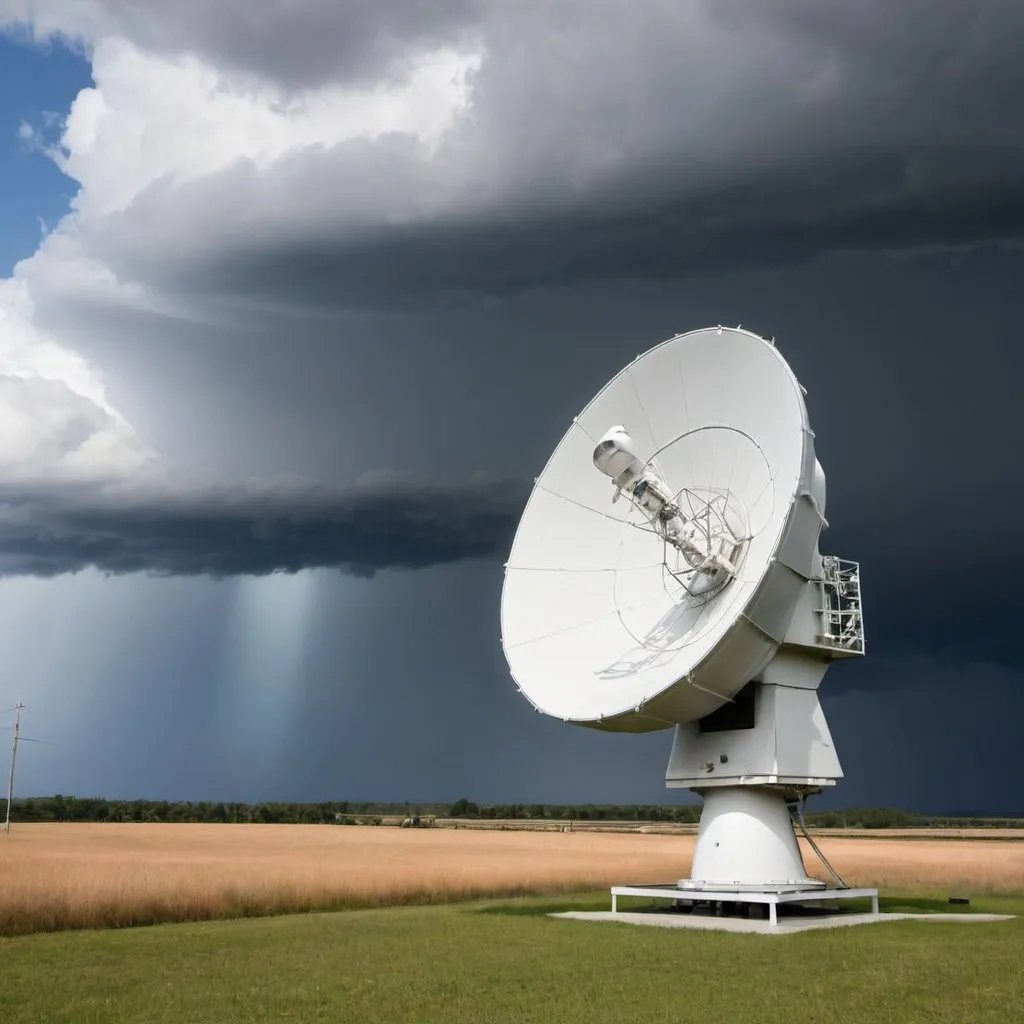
666 572
789 745
608 620
769 899
746 841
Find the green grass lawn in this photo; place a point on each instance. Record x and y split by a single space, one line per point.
506 961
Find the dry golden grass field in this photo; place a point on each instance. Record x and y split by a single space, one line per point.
80 875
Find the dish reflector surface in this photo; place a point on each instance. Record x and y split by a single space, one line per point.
607 623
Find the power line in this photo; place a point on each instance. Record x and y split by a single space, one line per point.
16 740
14 757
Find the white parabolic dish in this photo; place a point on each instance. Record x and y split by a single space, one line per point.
599 624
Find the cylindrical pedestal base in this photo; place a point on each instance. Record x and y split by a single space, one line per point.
746 842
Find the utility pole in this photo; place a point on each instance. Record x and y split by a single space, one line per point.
14 756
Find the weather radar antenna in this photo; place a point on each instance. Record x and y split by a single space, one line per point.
666 574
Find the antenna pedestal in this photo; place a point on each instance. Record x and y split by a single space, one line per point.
746 843
748 760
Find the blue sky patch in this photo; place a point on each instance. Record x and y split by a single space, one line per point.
37 86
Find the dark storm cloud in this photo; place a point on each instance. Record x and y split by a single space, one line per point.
859 201
255 529
601 141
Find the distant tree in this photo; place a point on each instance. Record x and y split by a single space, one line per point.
463 808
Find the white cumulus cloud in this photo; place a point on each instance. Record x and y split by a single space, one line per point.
55 418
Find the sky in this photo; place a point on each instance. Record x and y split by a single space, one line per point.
37 85
293 309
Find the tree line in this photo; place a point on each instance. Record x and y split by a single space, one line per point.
864 817
344 812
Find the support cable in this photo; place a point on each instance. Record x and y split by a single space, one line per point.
798 820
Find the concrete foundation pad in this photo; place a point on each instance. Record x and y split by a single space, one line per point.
786 925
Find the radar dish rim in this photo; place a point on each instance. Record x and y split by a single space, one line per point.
640 711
